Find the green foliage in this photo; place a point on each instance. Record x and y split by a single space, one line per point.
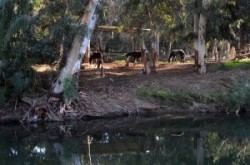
32 32
176 98
240 96
15 79
20 82
69 89
120 57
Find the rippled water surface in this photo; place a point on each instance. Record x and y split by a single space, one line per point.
172 140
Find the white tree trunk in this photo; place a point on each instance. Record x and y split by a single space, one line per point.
79 44
215 49
145 59
158 44
168 48
200 43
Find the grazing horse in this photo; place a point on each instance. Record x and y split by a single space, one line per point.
96 58
173 55
132 57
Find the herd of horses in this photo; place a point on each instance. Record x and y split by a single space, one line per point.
136 56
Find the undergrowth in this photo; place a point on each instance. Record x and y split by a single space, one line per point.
167 97
240 96
234 101
69 89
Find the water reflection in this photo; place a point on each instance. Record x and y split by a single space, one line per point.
133 141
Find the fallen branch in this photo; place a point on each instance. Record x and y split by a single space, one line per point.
151 108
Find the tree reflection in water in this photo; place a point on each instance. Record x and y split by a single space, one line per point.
128 141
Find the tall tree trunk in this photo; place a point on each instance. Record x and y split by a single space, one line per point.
168 47
145 58
200 43
79 44
87 54
215 50
158 44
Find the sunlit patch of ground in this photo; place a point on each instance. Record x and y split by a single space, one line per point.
40 68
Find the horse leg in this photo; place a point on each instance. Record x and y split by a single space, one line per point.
127 61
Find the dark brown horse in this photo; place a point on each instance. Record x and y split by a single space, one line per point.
132 57
96 58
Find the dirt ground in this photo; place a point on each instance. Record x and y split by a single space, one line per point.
114 93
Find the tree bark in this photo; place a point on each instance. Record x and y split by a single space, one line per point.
200 43
215 50
168 47
87 54
79 44
145 59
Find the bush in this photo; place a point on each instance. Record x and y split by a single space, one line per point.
69 89
15 79
240 96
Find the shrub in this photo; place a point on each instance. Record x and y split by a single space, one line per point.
16 78
69 89
240 96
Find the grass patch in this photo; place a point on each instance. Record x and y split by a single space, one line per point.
235 64
119 61
164 61
167 97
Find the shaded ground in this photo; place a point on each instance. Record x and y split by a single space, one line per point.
114 93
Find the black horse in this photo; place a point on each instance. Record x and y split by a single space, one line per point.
173 55
132 57
96 58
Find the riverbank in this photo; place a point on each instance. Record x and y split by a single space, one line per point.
116 93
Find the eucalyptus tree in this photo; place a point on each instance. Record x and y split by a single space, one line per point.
200 21
78 48
166 19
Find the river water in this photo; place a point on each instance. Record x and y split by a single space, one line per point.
162 140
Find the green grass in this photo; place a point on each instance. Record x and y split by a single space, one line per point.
235 64
167 97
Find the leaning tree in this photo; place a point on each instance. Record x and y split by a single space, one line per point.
78 49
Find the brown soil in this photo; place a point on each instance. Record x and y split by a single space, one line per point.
114 93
